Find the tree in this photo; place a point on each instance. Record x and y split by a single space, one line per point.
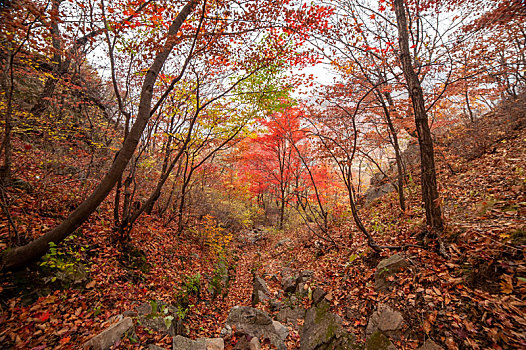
142 38
430 195
273 163
21 256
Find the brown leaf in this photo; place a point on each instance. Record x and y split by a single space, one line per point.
427 326
506 285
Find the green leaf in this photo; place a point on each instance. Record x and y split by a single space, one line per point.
168 321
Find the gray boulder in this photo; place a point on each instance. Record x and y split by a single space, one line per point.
183 343
386 321
318 295
260 291
248 343
379 341
374 193
291 315
289 284
430 345
253 322
281 330
386 268
111 335
323 330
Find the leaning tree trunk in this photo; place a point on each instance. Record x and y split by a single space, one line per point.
429 182
22 256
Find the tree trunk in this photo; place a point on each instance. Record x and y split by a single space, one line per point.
281 210
5 168
24 255
396 146
429 182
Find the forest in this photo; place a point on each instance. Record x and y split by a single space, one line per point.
263 174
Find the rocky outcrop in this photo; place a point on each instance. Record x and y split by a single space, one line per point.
255 323
111 335
374 193
323 330
387 268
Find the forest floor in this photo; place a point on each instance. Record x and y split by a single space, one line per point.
474 299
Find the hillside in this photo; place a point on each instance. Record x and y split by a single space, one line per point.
262 174
473 299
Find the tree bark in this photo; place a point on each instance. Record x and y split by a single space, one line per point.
24 255
396 146
427 159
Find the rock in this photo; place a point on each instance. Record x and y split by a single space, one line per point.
259 298
282 242
260 291
226 332
302 279
214 343
281 330
248 343
291 315
275 305
289 284
254 344
293 300
183 343
254 322
323 330
111 335
155 347
318 295
306 275
386 268
293 281
163 319
430 345
378 341
374 193
260 284
386 320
